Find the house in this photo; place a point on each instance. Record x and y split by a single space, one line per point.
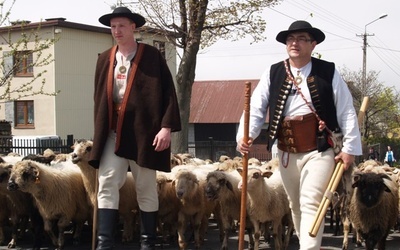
71 73
215 111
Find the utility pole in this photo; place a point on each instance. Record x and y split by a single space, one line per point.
364 70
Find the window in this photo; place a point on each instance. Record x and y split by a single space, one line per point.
23 61
160 46
24 114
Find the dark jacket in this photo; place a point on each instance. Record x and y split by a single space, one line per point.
152 104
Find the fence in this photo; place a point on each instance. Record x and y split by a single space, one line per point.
214 149
38 145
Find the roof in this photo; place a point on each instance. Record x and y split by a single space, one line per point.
59 22
218 101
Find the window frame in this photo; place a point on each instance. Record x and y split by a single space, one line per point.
23 61
27 104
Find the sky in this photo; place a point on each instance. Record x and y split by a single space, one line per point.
342 21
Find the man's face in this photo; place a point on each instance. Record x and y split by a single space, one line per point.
300 45
122 29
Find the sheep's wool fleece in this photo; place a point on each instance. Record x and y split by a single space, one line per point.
152 104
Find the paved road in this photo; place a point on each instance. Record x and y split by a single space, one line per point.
330 242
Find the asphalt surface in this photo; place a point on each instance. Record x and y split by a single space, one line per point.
330 242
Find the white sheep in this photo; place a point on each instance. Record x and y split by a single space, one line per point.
59 194
374 194
128 205
267 202
223 187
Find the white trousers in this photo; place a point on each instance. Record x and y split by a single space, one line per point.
305 179
112 176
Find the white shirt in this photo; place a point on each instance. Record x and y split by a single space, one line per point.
345 112
121 73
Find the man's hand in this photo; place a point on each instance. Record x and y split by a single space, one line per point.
162 140
244 147
347 159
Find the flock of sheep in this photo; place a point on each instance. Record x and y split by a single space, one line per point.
49 193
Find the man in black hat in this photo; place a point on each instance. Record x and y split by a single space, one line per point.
136 110
306 100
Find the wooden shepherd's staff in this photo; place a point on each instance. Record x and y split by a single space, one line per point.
95 208
245 161
334 181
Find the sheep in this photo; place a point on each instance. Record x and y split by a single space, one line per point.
169 205
189 188
374 193
267 201
128 205
271 165
5 212
59 194
23 208
223 187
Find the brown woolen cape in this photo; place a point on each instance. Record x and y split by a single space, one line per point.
151 105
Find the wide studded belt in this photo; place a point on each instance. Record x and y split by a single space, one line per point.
298 134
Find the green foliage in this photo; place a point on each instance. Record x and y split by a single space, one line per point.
383 112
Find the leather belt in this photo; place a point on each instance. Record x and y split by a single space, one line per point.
298 134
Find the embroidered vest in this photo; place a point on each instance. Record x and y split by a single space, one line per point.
319 83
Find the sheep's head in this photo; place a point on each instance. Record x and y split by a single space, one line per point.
81 151
186 183
370 187
216 181
22 174
254 176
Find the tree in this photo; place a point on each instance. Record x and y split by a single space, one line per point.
21 55
194 24
383 112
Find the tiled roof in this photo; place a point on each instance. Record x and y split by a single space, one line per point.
218 101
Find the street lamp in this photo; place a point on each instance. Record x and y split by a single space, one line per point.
364 74
365 44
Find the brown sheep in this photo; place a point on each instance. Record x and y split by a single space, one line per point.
23 209
374 194
59 195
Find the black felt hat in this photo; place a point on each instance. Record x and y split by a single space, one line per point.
301 26
123 12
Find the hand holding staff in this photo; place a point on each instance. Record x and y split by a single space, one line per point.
323 207
243 199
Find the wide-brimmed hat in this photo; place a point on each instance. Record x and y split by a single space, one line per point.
123 12
301 26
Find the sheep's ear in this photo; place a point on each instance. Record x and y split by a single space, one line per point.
267 173
356 178
228 184
173 183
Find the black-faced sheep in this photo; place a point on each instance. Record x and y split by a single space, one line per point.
128 206
374 194
59 194
223 187
267 202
